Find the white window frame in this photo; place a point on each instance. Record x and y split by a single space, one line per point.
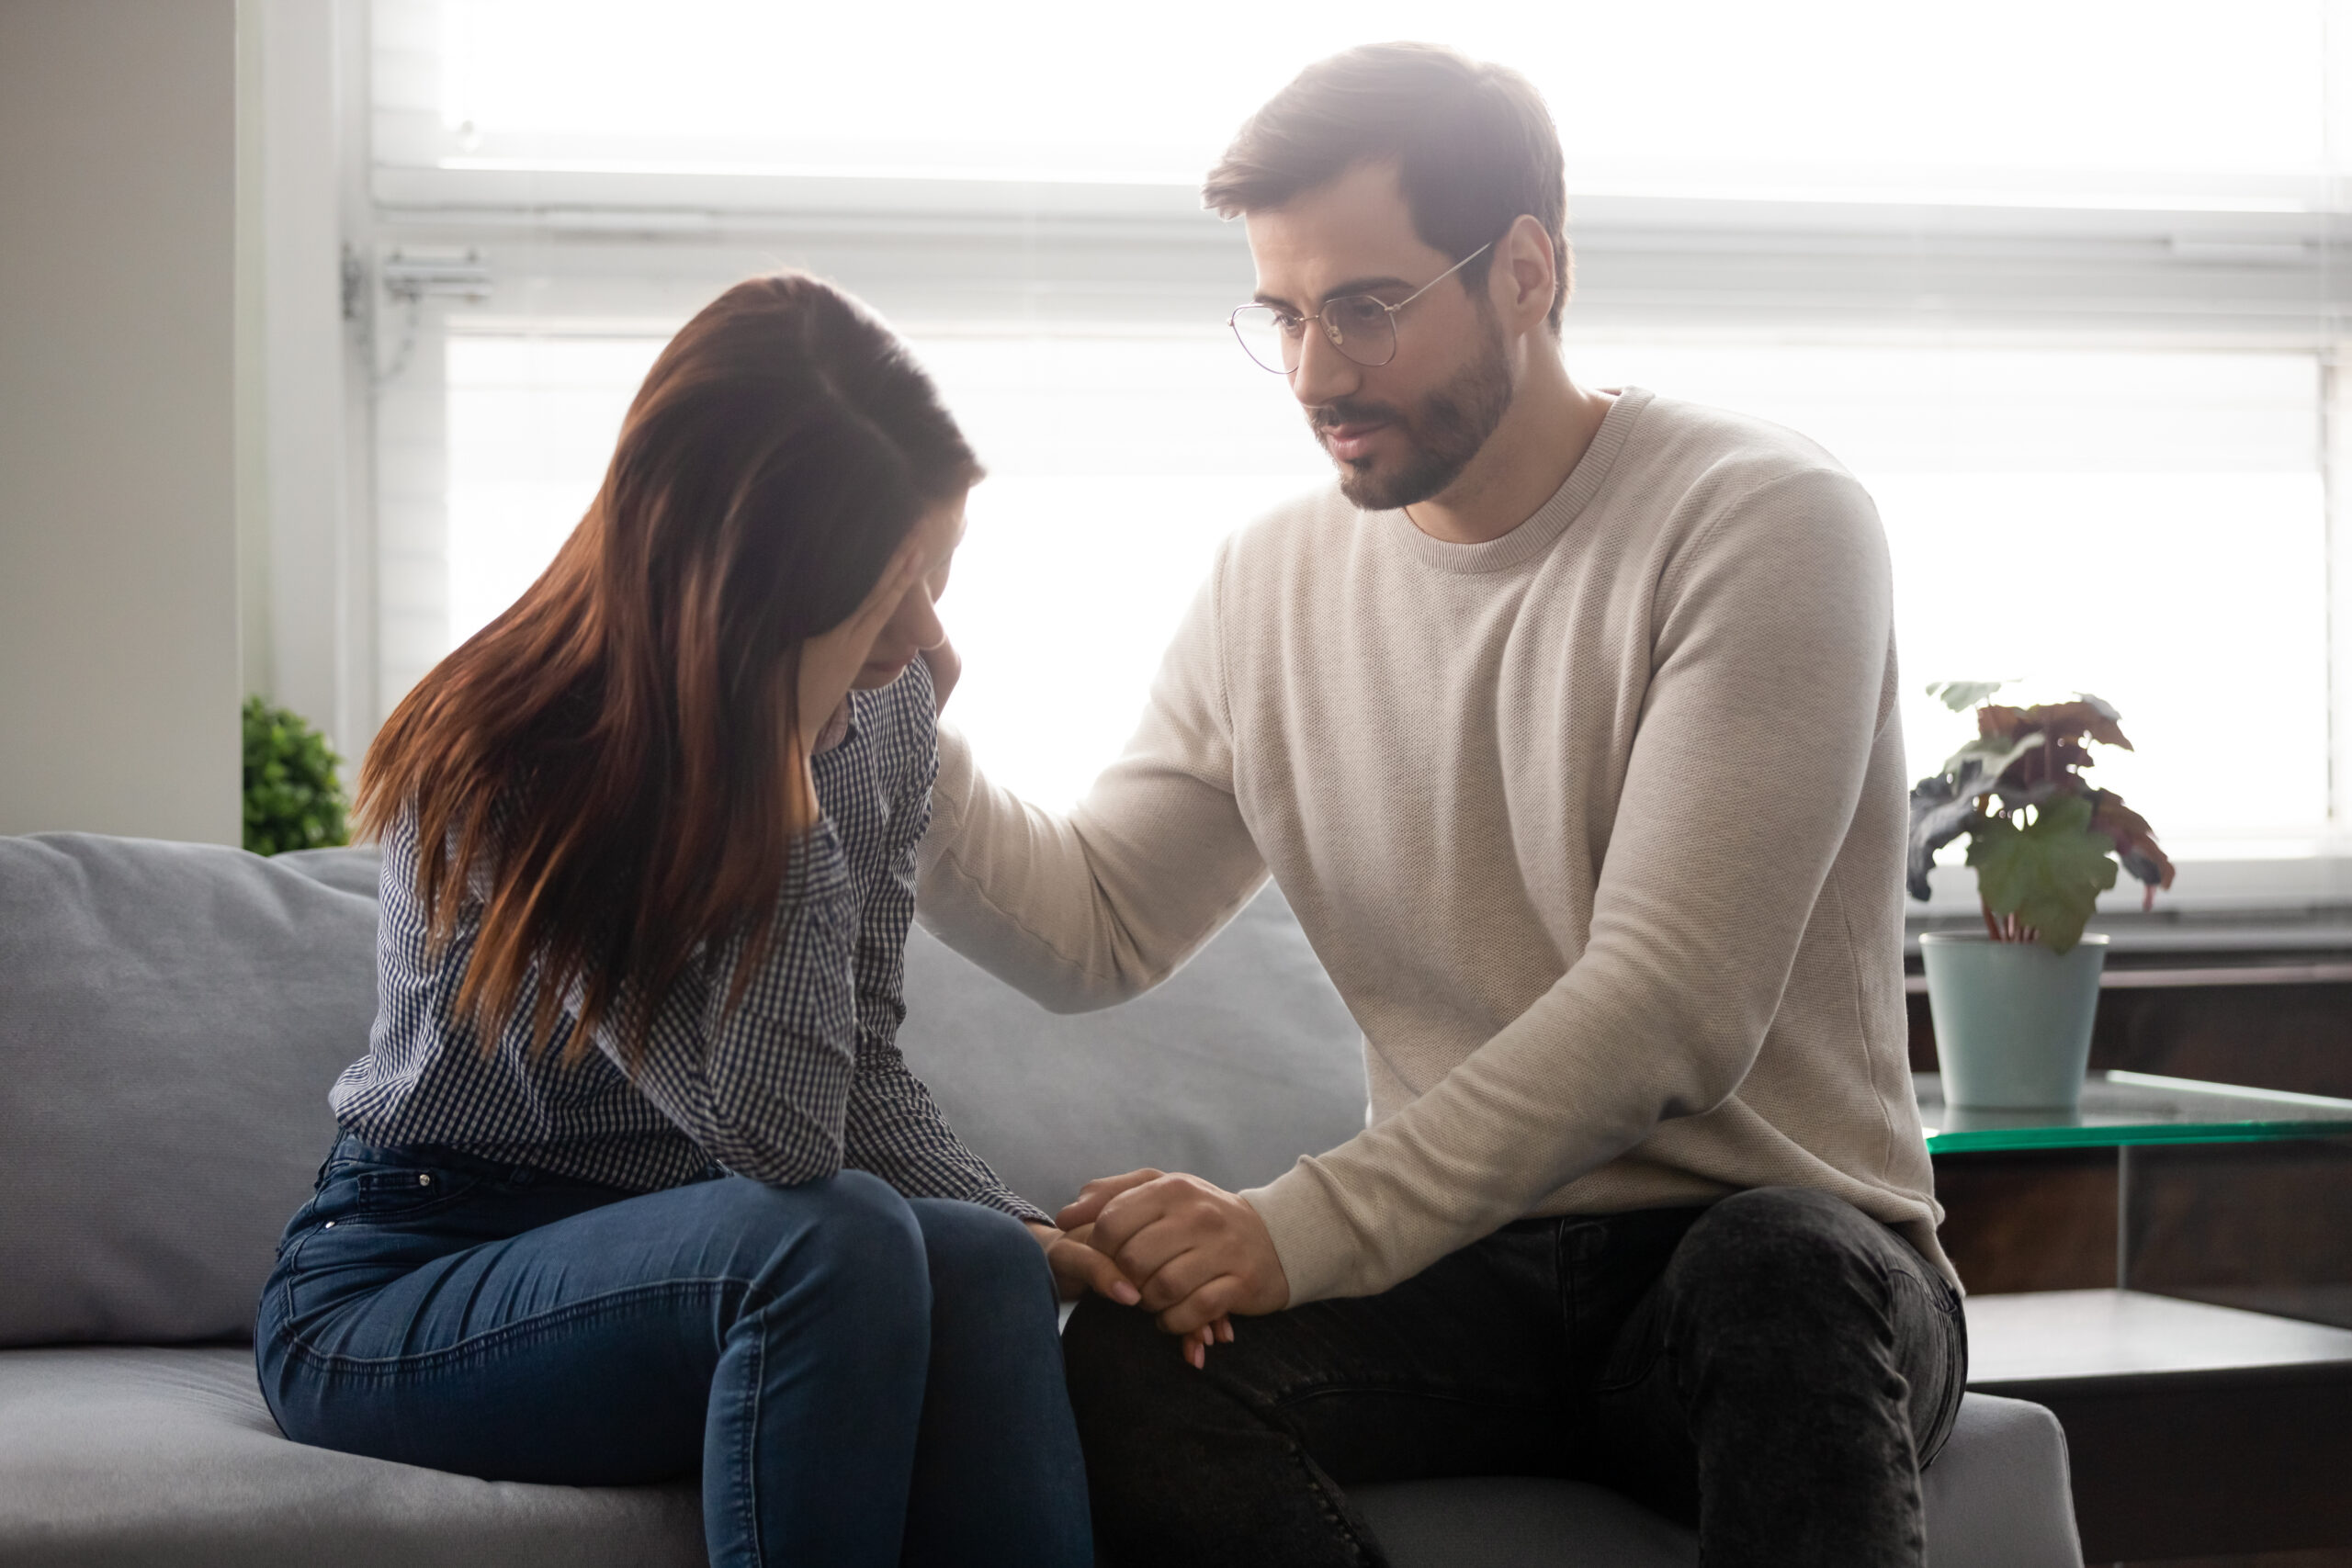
566 247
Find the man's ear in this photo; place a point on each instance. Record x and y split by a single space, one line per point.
1524 280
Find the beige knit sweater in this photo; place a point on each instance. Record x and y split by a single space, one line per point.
1598 828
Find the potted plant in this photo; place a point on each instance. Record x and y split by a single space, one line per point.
293 800
2013 1004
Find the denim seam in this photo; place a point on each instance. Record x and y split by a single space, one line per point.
524 1330
1888 1279
400 1213
1940 1292
1654 1351
1333 1514
446 1182
1270 1409
1940 1296
750 1490
1934 1287
1564 1284
289 1259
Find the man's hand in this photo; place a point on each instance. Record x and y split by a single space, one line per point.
1198 1251
1078 1268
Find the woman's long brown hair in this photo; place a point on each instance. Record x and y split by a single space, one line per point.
603 766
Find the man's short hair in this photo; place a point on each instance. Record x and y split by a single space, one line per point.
1473 146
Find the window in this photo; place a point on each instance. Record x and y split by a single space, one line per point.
2149 525
1083 548
2084 101
2057 281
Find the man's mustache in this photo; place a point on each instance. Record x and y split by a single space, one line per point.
1329 416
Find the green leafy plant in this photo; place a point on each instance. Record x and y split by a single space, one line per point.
2043 842
293 800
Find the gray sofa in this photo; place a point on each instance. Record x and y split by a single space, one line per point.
169 1018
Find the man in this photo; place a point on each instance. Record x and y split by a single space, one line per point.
1567 727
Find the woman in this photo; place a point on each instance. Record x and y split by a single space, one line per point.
632 1180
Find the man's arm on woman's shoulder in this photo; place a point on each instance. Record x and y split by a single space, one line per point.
1089 908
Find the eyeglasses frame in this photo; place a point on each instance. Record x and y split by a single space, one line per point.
1322 318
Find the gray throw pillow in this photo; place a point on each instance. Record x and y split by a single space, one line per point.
353 869
171 1016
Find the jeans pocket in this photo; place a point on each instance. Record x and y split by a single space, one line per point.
1634 1352
297 1224
402 1193
1926 1304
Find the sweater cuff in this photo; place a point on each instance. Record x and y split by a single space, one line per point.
1319 1253
951 790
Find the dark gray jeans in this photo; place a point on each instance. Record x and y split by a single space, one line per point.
1774 1368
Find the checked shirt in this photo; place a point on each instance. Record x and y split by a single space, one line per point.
800 1079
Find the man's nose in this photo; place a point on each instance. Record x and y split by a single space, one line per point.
1324 374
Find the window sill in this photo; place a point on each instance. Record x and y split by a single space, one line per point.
2176 947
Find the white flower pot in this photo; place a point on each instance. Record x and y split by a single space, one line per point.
2013 1019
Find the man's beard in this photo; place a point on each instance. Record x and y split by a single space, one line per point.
1445 431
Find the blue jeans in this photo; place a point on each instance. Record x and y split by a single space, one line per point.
861 1378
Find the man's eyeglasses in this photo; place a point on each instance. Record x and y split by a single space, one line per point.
1362 328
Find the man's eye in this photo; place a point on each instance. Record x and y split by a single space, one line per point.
1288 324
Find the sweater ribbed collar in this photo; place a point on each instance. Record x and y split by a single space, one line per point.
1551 520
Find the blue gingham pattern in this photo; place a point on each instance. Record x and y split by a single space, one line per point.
801 1078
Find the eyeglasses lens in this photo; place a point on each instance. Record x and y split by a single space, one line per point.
1260 329
1356 325
1360 327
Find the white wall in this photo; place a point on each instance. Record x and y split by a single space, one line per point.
118 610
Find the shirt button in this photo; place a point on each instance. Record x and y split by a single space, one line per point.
424 1180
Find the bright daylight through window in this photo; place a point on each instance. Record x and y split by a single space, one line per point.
2065 310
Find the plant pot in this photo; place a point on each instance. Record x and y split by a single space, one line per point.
2013 1019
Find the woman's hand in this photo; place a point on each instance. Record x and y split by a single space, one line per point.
1200 1253
946 665
829 662
1078 1268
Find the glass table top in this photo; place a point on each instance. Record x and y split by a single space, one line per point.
2120 1108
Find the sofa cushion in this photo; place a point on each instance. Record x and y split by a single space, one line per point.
351 869
1519 1521
1997 1496
171 1016
134 1457
131 1458
2001 1494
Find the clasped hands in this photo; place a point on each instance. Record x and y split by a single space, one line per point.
1184 1249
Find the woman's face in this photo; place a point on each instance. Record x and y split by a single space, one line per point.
914 626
